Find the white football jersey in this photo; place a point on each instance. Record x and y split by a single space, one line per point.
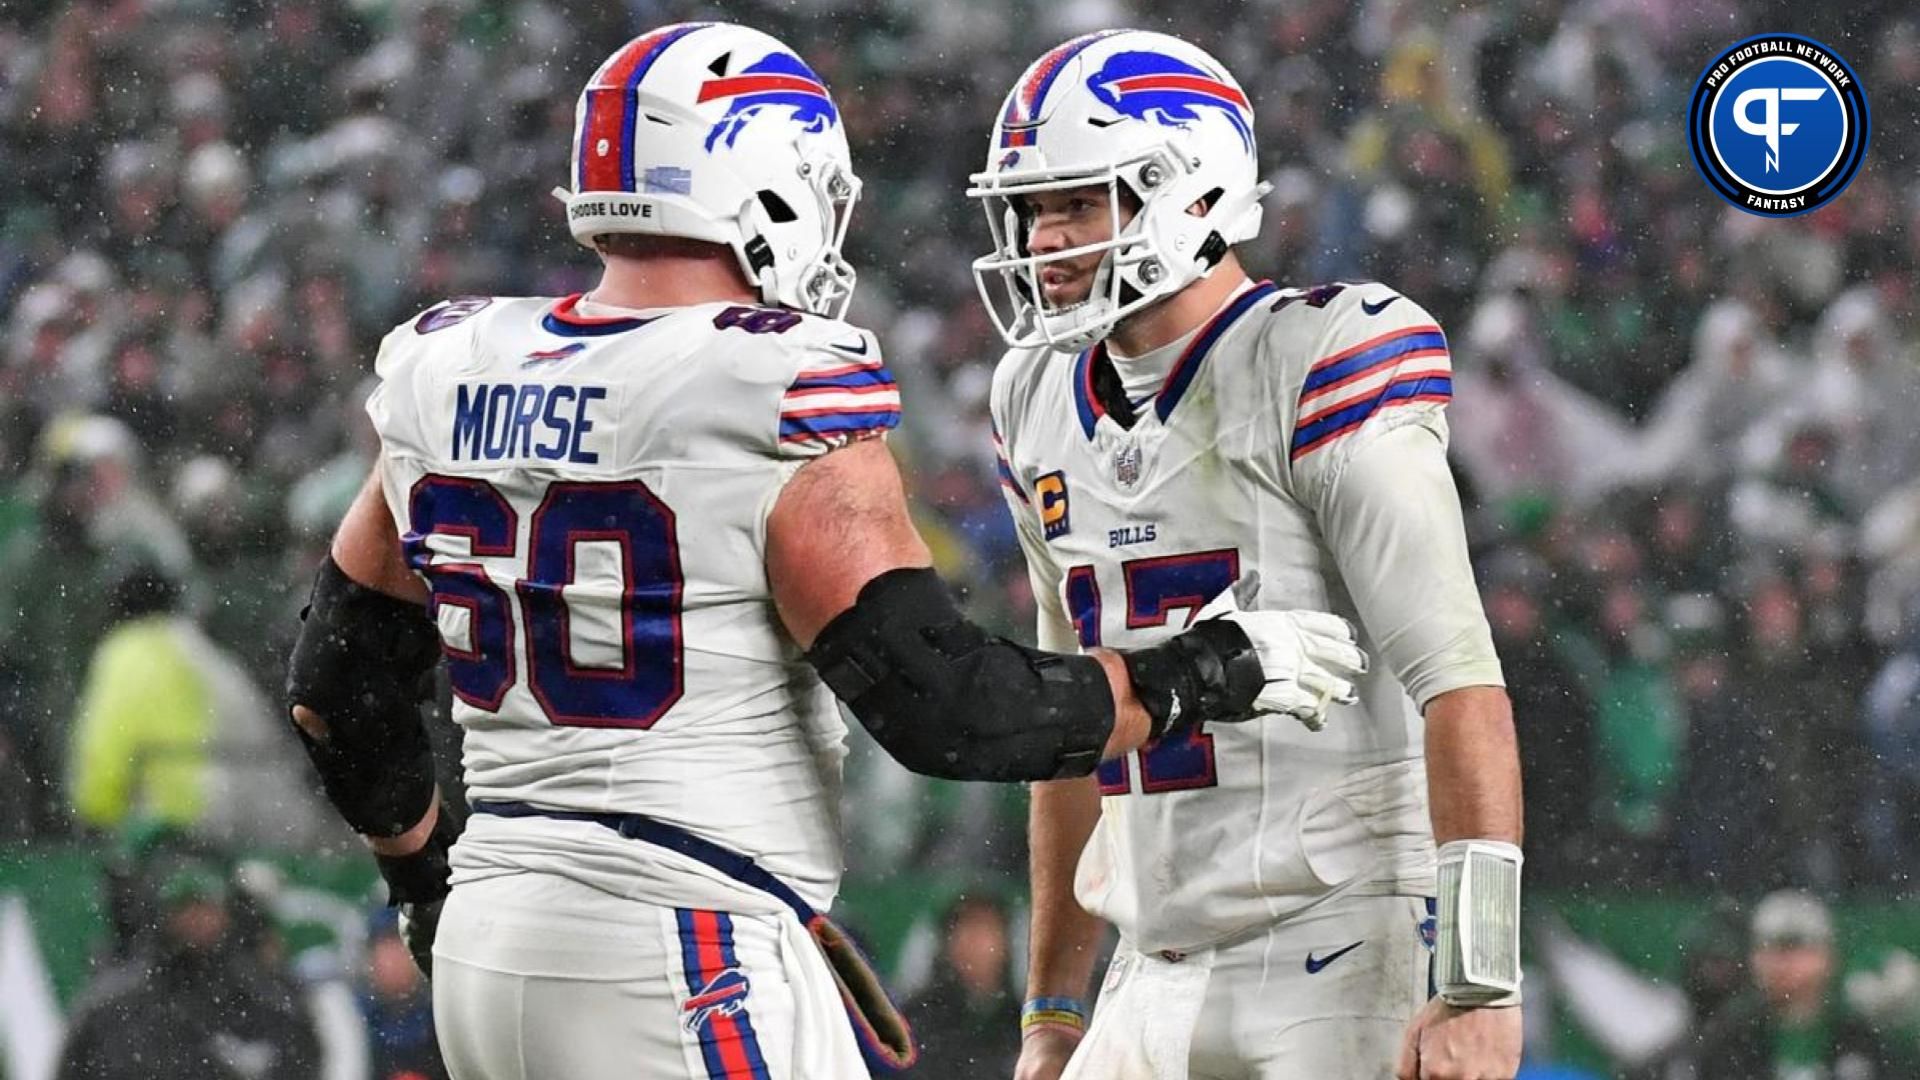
587 497
1235 466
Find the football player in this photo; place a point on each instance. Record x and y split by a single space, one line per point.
653 532
1165 425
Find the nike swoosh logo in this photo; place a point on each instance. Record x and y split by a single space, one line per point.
861 351
1315 967
1375 309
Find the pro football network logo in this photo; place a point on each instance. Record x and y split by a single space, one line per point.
1778 125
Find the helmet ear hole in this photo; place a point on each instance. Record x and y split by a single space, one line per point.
1213 250
776 207
759 254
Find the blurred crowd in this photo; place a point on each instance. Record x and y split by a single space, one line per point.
198 978
1685 435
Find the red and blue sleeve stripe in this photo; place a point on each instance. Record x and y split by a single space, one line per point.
840 403
1325 427
852 377
729 1046
1368 358
1340 391
837 425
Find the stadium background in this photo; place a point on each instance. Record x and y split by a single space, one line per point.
1686 438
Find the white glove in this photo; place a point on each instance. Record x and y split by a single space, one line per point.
1309 658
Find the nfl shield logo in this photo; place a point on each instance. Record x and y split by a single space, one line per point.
1126 465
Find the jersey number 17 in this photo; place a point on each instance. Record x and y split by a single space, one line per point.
1154 588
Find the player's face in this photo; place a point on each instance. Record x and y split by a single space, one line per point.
1062 220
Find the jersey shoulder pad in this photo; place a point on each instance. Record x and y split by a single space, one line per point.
449 313
443 344
766 338
449 324
1348 352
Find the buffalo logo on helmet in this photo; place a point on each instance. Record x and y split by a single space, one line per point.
781 80
724 995
1156 87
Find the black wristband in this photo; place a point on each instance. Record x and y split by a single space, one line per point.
421 877
1210 672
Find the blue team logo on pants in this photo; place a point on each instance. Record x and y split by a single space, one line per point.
1778 125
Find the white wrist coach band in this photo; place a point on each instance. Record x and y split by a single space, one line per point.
1476 961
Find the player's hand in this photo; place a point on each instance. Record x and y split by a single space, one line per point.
1309 658
1044 1052
418 924
1446 1043
418 882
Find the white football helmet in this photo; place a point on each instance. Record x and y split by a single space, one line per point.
715 132
1138 112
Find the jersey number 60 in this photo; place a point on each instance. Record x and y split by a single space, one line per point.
624 514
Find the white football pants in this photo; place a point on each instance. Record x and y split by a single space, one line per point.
536 976
1327 995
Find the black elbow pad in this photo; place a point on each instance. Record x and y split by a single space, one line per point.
945 699
361 663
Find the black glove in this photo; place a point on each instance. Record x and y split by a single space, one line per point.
417 885
1209 672
418 925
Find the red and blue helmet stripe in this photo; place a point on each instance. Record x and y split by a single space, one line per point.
610 113
1022 114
